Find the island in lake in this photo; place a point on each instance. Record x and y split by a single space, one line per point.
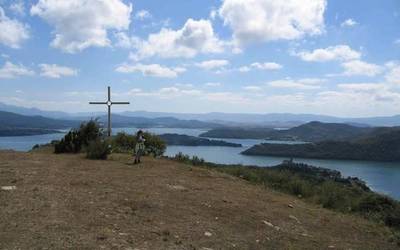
238 133
186 140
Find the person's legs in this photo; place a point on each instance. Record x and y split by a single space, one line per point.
139 154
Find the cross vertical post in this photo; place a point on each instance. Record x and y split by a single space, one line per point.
109 103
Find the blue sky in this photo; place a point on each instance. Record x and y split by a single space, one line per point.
331 57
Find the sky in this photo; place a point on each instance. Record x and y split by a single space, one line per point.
332 57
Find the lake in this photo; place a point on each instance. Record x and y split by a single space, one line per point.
383 177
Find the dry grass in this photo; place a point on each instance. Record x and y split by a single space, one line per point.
66 201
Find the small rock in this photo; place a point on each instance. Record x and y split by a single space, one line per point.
271 225
208 234
290 205
257 241
294 218
268 223
8 188
176 187
331 246
216 218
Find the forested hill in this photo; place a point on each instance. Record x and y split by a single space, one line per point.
309 132
318 131
10 120
380 145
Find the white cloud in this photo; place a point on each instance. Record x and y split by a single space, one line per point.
184 85
196 36
12 32
244 69
349 23
213 14
266 66
10 70
397 42
171 92
393 76
124 41
268 20
339 52
357 67
361 87
213 84
18 8
80 24
154 70
353 96
252 88
56 71
142 14
261 66
212 64
305 84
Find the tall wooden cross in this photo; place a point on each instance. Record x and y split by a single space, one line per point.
109 103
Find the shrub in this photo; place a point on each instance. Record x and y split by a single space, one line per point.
89 131
75 139
98 149
71 143
123 143
155 146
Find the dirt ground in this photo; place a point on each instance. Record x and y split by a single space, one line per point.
68 202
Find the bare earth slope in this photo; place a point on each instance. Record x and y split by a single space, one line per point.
66 201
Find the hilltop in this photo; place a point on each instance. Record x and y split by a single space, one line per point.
66 201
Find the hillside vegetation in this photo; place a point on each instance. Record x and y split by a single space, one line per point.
309 132
318 131
380 145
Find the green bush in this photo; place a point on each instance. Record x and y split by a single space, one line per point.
155 146
71 143
90 131
125 143
299 187
98 149
76 139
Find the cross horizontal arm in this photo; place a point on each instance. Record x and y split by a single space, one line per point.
97 102
120 102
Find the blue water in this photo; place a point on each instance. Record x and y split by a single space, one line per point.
383 177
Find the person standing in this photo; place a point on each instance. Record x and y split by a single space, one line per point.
139 147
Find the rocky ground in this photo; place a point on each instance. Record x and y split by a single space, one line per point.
52 201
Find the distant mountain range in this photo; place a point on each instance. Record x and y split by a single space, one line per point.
284 120
12 120
12 124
